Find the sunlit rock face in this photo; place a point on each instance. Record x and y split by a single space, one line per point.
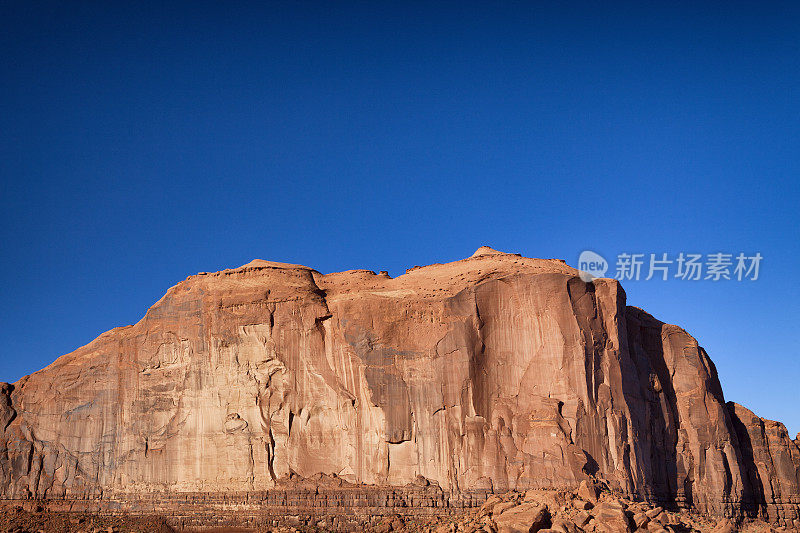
495 372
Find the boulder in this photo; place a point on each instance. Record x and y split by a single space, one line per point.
588 491
640 520
610 517
562 525
581 518
524 518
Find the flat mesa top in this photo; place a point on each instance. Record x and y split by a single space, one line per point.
261 279
435 280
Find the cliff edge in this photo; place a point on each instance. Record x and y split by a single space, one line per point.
493 373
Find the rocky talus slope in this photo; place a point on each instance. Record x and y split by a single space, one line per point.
492 374
592 507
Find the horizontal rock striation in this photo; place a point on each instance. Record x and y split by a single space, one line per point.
493 373
326 502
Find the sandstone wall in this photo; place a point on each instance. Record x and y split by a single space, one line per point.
493 373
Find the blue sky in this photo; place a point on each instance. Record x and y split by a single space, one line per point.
143 143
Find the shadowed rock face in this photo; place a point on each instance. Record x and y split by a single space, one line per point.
493 372
772 463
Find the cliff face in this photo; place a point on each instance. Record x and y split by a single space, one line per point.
495 372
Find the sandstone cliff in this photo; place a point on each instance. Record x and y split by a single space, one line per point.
496 372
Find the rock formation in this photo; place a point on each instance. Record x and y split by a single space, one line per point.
493 373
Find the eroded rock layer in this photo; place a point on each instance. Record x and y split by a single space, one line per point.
493 373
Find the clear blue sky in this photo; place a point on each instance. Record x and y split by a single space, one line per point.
143 143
